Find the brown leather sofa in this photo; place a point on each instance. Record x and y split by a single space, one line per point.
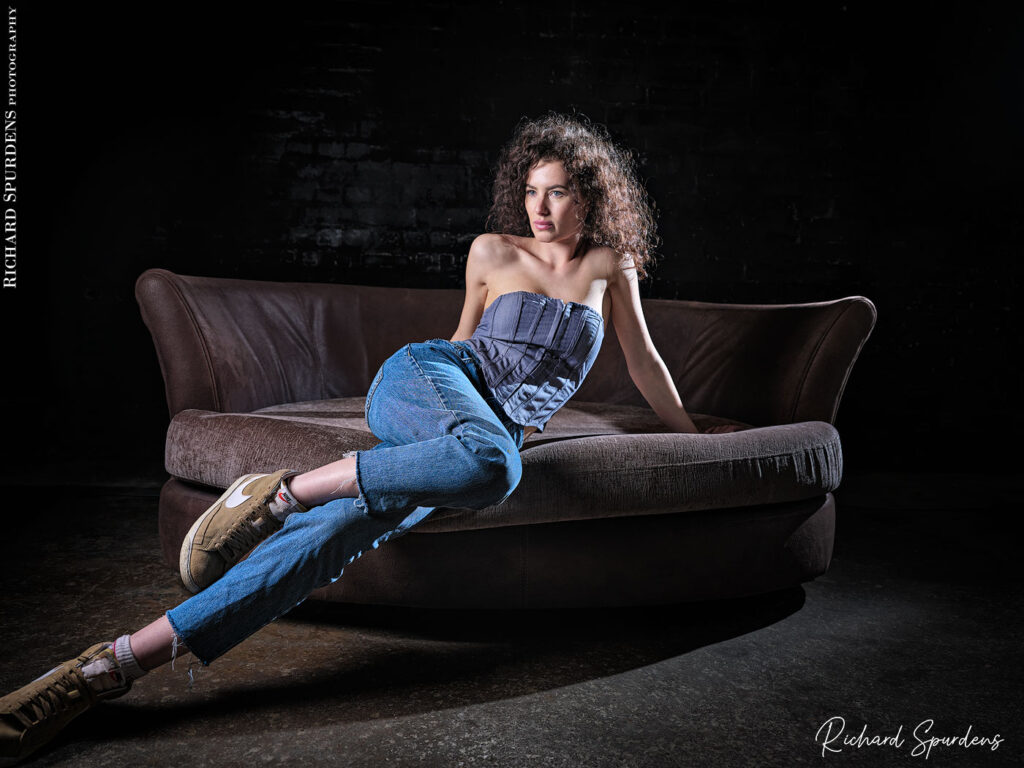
611 510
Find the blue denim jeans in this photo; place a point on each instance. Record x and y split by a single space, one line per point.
445 442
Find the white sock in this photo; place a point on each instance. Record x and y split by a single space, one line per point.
114 669
125 657
284 503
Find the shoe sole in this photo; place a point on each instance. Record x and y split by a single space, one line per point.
185 558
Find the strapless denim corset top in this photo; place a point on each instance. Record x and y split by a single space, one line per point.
535 351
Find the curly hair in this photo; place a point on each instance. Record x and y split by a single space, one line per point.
603 177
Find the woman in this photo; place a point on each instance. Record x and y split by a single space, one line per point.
573 233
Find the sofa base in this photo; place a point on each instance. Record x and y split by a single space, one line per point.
605 562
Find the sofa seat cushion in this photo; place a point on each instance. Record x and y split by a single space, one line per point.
582 419
593 460
213 448
619 475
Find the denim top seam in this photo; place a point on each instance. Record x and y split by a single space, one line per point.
534 352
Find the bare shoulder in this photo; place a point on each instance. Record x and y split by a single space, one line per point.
489 252
491 245
612 265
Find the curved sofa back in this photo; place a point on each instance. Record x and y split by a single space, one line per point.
237 345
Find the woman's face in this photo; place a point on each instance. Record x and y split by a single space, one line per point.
554 213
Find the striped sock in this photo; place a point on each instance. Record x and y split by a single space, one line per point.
125 657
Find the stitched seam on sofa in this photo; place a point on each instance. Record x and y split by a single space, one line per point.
316 347
810 362
202 341
741 516
849 369
648 467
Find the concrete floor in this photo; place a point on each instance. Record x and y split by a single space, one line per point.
918 618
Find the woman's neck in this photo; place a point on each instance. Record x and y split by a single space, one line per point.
558 255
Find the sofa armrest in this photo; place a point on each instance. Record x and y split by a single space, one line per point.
771 364
756 363
224 346
235 346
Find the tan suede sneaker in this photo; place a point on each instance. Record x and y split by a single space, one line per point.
32 716
230 529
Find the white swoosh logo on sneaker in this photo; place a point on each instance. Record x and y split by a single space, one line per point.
237 497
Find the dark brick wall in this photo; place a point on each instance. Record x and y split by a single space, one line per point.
794 156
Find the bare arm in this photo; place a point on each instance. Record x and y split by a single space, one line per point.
477 265
645 365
